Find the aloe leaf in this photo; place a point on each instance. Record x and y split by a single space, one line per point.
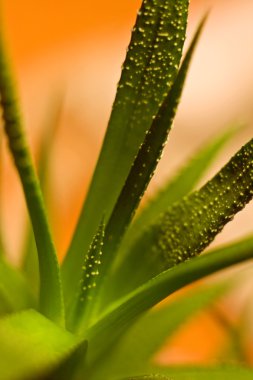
84 305
148 74
69 368
177 187
148 377
117 319
145 163
14 291
32 345
225 372
30 264
50 281
149 334
189 226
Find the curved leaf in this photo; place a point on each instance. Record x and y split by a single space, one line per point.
149 71
122 313
138 346
145 163
50 281
176 188
189 226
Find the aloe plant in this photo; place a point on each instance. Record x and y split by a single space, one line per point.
91 317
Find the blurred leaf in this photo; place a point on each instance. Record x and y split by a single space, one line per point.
149 334
145 163
32 345
50 280
70 366
117 319
189 226
177 187
192 373
148 377
148 74
15 294
30 263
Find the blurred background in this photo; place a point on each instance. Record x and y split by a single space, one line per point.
73 51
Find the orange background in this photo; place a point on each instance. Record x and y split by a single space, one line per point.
84 41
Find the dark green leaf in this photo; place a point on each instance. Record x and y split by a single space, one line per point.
189 226
121 315
32 345
50 281
176 188
84 305
145 163
148 74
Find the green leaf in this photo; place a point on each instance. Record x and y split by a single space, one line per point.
189 226
148 74
148 335
220 373
50 281
148 377
145 163
15 294
117 319
70 366
30 264
32 345
176 188
192 373
84 305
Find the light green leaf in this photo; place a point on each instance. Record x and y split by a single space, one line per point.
117 319
137 347
149 71
83 308
189 226
32 346
176 188
50 280
145 163
15 294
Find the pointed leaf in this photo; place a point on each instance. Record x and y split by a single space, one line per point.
145 163
189 226
50 281
32 346
177 187
124 312
84 305
148 74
